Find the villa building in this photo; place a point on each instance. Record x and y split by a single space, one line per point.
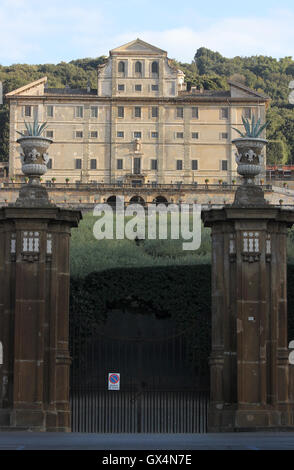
141 124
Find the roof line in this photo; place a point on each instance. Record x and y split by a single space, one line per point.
27 87
246 88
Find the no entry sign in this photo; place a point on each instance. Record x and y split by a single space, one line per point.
113 381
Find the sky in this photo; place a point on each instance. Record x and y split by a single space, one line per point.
38 32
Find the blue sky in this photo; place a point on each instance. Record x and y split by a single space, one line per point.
34 31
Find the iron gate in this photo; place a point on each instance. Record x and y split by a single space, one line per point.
161 390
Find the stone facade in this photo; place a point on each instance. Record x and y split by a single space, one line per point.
139 124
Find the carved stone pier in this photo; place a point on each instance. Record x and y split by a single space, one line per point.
251 378
34 304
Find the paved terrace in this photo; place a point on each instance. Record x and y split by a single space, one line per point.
77 194
76 441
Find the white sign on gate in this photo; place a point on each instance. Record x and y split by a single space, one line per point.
114 381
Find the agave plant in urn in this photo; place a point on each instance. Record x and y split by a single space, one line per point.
34 159
249 162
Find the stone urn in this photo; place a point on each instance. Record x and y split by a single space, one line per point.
34 158
249 165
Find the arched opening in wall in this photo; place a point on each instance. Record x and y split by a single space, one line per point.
112 200
137 200
121 67
154 69
138 69
160 200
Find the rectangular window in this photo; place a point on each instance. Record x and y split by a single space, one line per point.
78 163
224 165
180 135
153 164
79 134
224 113
137 166
195 113
49 164
180 112
247 113
137 112
94 111
121 87
138 87
28 111
50 111
154 135
93 163
154 112
224 135
194 165
120 111
137 135
79 111
179 164
195 135
120 134
94 134
154 87
49 134
119 164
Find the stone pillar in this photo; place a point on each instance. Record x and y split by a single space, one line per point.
250 387
34 303
249 359
34 298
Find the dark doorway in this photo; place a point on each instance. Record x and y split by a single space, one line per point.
137 200
161 391
160 200
112 201
137 166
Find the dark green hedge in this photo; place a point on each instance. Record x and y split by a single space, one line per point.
182 292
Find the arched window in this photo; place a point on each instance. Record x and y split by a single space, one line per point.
154 68
121 67
138 67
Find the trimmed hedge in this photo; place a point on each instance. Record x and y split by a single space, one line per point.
181 292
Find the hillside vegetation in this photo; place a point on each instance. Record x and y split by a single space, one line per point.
208 69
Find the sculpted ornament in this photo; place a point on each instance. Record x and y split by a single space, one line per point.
34 154
238 157
137 145
22 157
250 155
46 157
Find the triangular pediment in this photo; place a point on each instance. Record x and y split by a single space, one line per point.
138 46
29 89
240 90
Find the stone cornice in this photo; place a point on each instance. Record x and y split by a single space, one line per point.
125 99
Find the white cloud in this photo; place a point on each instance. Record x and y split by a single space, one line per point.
272 35
26 28
36 33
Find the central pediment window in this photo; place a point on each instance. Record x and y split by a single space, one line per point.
138 69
